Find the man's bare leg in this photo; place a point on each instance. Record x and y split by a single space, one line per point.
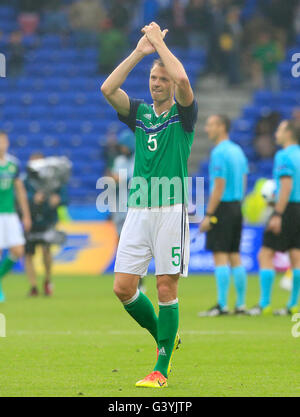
31 274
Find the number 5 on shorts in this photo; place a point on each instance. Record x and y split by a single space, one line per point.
176 255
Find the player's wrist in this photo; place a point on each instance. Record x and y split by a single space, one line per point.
276 213
211 217
157 41
139 54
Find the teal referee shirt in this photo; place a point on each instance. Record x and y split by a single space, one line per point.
287 163
228 161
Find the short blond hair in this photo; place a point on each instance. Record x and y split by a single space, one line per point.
158 62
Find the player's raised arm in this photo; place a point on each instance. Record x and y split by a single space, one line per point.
183 90
111 90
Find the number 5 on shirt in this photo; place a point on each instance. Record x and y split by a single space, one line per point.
152 140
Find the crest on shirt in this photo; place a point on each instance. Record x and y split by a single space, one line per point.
148 116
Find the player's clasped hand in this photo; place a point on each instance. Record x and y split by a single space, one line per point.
154 33
144 45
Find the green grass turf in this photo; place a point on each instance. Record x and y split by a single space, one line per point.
82 342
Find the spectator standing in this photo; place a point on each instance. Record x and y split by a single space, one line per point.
280 13
86 18
230 44
198 18
43 210
55 18
173 17
216 28
266 55
112 45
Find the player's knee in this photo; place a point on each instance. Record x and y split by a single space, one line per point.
165 292
18 252
234 259
265 256
261 256
123 292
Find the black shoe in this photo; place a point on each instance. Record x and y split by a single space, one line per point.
240 310
214 311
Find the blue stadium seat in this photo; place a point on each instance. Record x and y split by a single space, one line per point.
7 12
37 111
196 54
263 97
289 98
292 84
291 52
242 138
30 84
255 112
51 41
286 111
285 69
265 167
12 111
8 26
243 125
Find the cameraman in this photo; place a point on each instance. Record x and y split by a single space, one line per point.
43 209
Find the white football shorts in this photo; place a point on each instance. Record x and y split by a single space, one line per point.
161 233
11 231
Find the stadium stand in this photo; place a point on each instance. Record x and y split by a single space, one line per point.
56 105
284 102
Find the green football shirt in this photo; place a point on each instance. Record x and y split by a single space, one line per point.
9 171
163 146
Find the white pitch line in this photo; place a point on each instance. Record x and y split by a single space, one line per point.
134 333
202 332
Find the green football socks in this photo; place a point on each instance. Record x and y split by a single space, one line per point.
142 310
5 266
168 320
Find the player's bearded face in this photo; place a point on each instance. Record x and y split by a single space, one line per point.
160 84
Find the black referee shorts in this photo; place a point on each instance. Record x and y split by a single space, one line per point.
289 238
225 235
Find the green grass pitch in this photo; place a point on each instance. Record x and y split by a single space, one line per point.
81 342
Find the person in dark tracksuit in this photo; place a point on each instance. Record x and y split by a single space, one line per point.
228 170
43 209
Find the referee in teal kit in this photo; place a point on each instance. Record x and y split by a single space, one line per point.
228 170
282 232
